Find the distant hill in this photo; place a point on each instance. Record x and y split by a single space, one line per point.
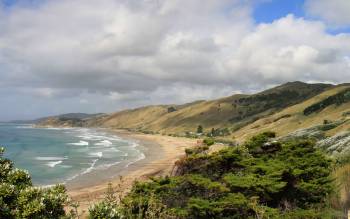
68 120
232 112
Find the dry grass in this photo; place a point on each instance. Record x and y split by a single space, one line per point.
217 113
297 120
341 200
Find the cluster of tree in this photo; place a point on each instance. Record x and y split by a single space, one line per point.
171 109
254 105
200 129
219 132
261 179
214 131
274 99
19 199
338 99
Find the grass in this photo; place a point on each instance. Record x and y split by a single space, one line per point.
243 109
283 125
342 180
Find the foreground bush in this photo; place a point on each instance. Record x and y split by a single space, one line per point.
19 199
261 179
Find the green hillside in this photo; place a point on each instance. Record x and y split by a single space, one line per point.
294 118
231 112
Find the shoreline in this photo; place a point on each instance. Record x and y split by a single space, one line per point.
161 153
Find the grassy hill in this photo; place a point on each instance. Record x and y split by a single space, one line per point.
293 118
70 120
232 112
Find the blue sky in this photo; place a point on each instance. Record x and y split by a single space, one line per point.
269 11
8 2
94 56
265 11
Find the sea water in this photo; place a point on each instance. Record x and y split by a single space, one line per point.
61 155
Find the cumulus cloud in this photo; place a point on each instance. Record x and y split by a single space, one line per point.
115 54
291 49
335 12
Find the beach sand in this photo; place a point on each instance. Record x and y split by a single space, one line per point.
161 153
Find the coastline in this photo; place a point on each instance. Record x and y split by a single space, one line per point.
161 153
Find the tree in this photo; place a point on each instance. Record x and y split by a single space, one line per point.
263 178
200 129
19 199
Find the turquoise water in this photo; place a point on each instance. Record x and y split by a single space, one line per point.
61 155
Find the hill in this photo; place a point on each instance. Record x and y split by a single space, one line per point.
68 120
299 116
231 112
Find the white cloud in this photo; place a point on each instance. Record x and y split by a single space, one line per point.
335 12
125 53
175 93
291 49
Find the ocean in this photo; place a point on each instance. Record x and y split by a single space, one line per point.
64 155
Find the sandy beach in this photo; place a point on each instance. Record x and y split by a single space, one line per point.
160 155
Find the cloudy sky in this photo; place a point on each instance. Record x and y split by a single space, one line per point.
59 56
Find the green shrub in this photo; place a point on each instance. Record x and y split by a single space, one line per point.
219 132
200 129
262 179
209 141
19 199
104 210
196 150
337 99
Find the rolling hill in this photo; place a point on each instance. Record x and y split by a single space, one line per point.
294 118
295 109
234 112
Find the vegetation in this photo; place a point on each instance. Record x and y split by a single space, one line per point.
263 178
200 129
19 199
234 112
338 99
282 117
253 105
196 150
219 132
171 109
209 141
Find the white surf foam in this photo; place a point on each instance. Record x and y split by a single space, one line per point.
96 154
24 127
88 170
97 137
52 128
133 144
111 150
103 146
80 143
52 164
51 158
140 157
89 137
106 166
104 143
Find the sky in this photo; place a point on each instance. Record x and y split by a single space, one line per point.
103 56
